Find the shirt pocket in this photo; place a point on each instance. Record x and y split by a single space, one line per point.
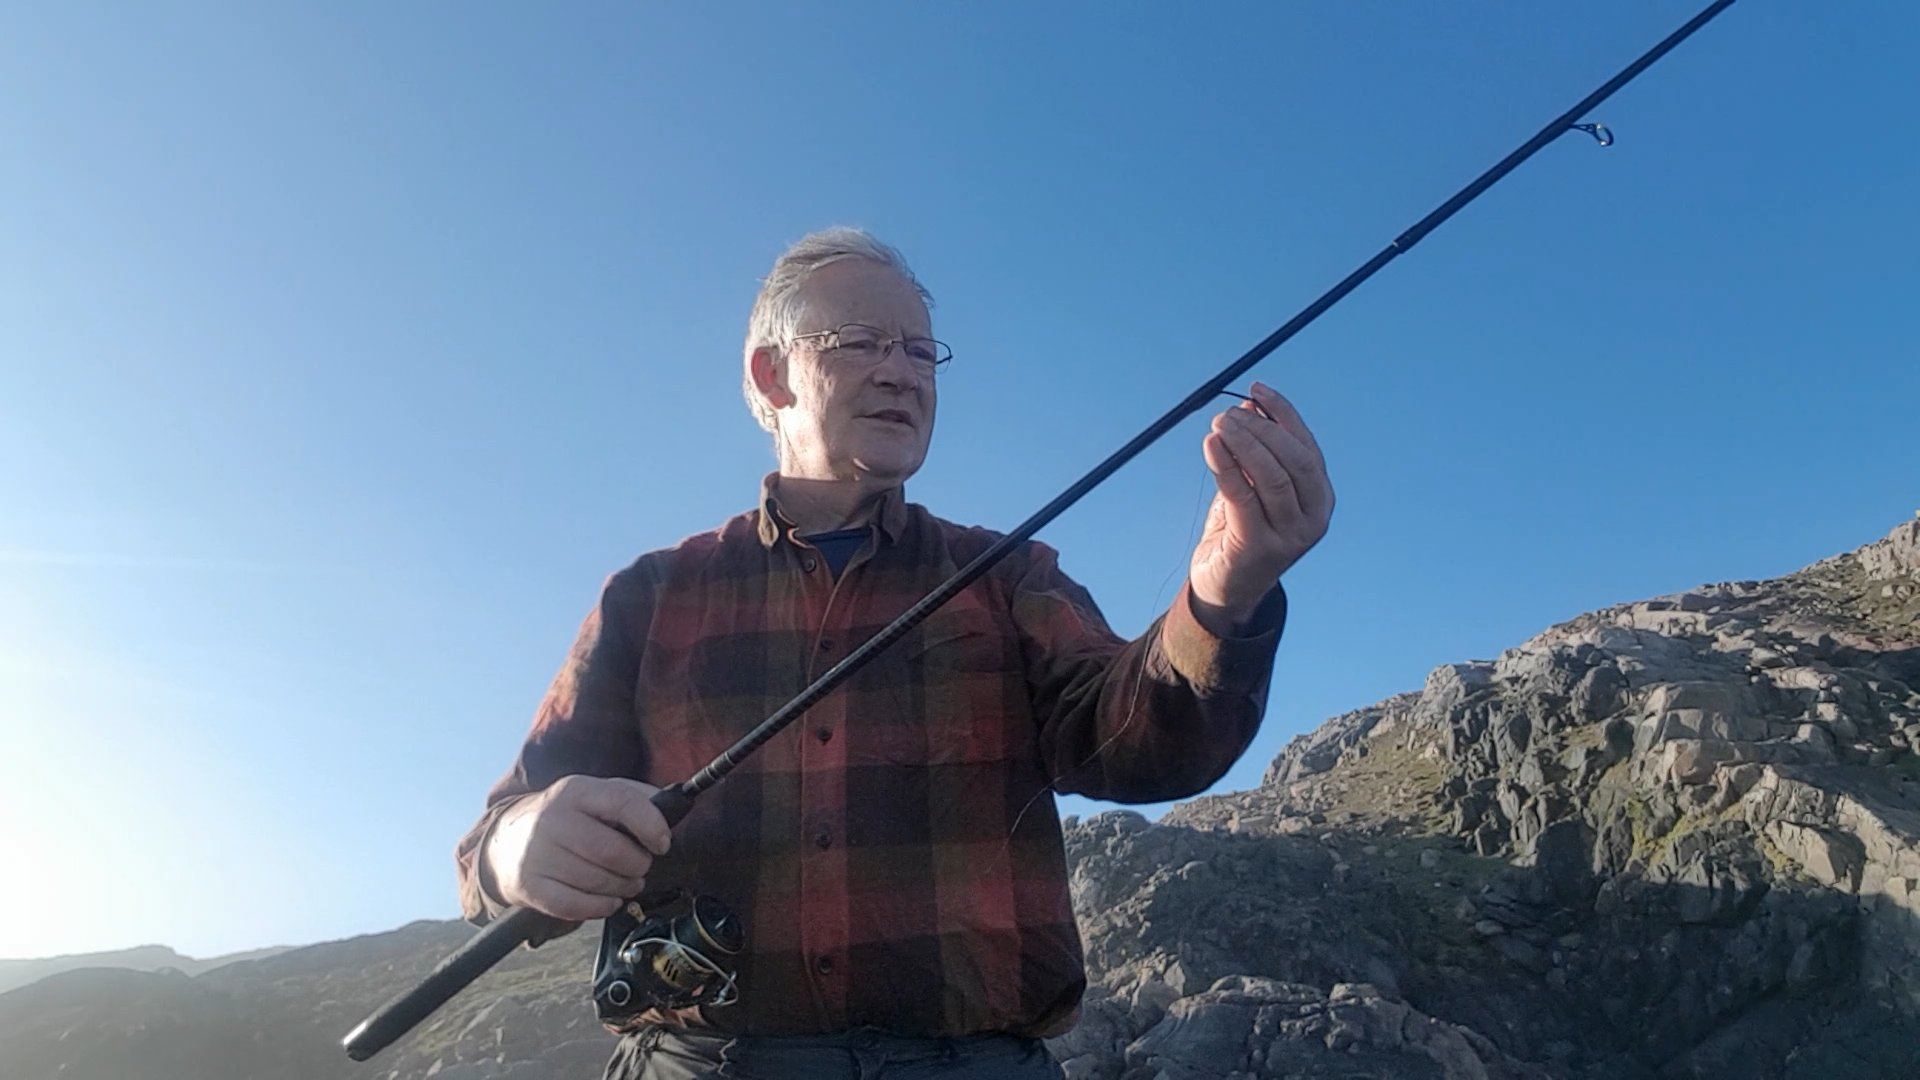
946 695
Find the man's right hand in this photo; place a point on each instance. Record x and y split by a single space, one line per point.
571 851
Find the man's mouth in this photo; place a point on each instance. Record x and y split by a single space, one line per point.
896 416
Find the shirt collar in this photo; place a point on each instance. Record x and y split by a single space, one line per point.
773 524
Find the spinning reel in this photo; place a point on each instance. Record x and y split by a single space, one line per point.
674 952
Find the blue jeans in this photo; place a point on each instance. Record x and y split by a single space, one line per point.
860 1054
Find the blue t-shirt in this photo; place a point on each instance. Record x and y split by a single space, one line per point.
839 545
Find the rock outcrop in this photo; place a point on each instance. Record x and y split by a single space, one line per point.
1674 838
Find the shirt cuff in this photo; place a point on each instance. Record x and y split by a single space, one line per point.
1217 665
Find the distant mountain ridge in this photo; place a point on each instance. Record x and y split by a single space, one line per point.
18 973
1671 839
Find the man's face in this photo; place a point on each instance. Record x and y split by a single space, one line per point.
850 416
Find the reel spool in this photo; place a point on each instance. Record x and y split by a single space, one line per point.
673 953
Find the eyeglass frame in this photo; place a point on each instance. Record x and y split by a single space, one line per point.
887 344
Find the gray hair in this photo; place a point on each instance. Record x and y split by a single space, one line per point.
776 311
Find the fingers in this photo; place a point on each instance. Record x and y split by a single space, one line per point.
1226 471
625 804
1289 444
563 901
568 853
561 864
1253 453
1285 414
1315 488
605 848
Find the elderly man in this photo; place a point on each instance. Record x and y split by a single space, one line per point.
895 857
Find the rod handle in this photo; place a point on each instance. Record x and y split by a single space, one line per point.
514 927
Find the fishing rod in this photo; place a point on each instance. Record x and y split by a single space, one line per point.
678 960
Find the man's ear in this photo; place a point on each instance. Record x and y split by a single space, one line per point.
770 376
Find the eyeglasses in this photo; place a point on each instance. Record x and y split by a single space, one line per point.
858 343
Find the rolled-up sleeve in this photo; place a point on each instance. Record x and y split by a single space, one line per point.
1161 717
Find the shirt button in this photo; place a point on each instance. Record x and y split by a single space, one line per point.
823 840
826 644
824 965
824 734
808 564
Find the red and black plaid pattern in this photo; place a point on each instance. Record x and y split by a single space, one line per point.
895 856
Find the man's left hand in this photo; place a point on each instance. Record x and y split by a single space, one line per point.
1273 505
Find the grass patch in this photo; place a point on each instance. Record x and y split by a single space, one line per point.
1391 781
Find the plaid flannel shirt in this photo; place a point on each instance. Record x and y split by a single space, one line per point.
895 856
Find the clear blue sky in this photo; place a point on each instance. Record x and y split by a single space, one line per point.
343 353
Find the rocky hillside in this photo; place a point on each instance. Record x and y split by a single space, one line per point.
281 1018
1677 838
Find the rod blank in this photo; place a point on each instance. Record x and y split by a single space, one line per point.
517 925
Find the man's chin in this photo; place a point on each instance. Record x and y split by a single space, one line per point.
887 468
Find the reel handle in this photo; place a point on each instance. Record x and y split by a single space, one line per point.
513 927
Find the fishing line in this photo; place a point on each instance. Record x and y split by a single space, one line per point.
1200 503
519 925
